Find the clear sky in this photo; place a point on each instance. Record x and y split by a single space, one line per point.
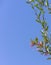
17 27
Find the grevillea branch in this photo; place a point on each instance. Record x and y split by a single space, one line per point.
39 7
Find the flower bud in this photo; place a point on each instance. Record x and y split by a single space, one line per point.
32 43
40 44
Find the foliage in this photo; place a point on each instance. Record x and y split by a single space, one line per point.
39 7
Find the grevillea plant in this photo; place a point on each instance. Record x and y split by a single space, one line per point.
40 7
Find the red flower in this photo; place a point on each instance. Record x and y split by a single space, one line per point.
40 44
32 43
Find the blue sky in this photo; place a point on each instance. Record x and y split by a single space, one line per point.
17 27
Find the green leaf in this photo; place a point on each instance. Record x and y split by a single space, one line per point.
49 58
40 8
50 53
36 5
36 40
49 12
43 24
46 3
40 50
49 8
50 49
32 0
37 20
38 16
32 7
42 32
41 2
38 0
46 28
